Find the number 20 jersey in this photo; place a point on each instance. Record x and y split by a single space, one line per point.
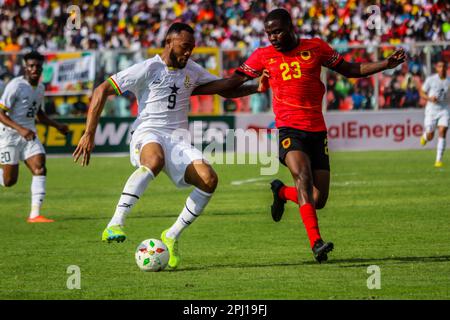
295 81
162 92
21 101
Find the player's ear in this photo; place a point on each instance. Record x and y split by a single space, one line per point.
168 40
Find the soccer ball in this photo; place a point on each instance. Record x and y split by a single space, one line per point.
152 255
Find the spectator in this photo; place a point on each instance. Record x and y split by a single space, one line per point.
357 99
412 95
79 107
259 102
50 107
123 24
228 24
2 86
65 108
342 87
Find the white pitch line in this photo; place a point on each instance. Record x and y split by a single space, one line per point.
239 182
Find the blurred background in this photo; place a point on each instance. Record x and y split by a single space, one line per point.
86 44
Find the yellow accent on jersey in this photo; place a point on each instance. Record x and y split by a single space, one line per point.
3 107
115 86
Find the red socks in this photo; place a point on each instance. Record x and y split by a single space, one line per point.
307 212
288 193
309 217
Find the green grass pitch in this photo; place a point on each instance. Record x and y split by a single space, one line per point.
390 209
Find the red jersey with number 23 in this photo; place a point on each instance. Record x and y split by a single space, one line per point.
295 81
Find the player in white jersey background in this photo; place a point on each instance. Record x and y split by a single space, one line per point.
21 102
435 91
162 86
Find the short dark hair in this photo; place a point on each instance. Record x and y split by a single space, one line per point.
33 55
279 14
177 27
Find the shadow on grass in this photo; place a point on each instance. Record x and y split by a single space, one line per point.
107 218
343 263
152 215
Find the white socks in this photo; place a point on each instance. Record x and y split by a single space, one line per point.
37 195
440 149
134 188
1 178
195 204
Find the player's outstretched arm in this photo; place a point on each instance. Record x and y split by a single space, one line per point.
86 144
241 91
359 70
24 132
221 86
44 119
245 90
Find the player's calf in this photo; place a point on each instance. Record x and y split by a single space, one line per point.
320 201
9 181
9 175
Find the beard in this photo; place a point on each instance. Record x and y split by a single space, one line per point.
176 62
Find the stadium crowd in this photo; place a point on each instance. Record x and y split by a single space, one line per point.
129 24
134 25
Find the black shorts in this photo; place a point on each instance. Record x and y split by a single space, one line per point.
314 144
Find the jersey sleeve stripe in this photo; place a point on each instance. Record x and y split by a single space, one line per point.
3 107
244 68
115 86
334 60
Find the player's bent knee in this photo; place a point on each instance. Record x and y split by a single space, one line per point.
155 164
41 171
209 182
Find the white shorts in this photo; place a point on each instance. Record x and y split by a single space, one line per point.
177 154
13 148
436 118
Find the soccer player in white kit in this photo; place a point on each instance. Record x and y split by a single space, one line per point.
162 86
435 91
21 102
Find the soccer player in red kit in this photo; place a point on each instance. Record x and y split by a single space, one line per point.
293 66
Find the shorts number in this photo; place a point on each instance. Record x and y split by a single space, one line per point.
325 142
5 157
172 101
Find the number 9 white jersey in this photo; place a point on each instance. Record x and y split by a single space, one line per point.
21 101
162 93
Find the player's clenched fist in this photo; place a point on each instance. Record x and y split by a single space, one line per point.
84 149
